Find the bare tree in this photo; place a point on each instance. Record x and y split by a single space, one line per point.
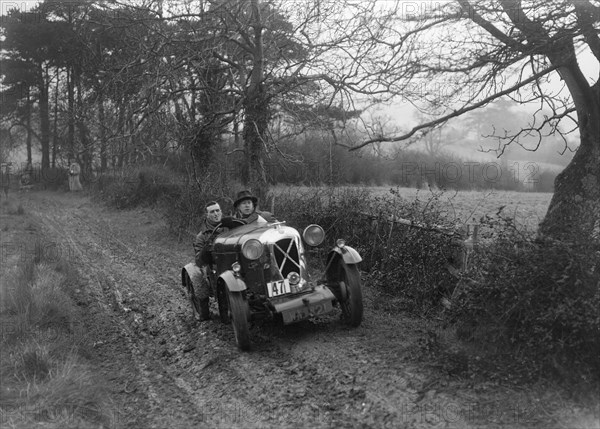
459 56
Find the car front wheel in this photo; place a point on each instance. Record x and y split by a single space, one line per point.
239 311
352 306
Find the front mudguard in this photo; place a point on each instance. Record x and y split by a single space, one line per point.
226 283
232 282
348 254
339 255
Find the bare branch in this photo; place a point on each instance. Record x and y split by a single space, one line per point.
456 113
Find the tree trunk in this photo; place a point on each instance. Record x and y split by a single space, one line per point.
101 120
44 120
117 149
255 126
87 147
574 211
70 113
256 117
28 114
55 126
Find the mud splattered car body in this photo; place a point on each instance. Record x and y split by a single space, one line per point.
260 270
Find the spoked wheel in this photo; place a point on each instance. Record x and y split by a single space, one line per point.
194 300
239 312
352 305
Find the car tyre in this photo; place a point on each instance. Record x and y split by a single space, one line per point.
352 306
194 300
222 302
239 311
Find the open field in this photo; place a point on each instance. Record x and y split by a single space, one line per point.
526 208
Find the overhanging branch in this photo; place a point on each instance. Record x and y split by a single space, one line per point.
455 113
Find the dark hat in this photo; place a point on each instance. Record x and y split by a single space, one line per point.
245 195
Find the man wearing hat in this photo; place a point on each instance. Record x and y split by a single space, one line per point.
245 209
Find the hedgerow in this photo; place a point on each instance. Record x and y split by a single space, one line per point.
539 297
136 186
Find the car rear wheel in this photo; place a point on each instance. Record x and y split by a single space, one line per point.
352 306
194 300
239 311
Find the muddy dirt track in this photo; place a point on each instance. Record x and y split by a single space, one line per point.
167 371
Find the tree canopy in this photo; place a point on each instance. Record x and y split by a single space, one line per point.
124 82
481 50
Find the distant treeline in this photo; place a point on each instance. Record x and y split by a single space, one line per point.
312 163
315 162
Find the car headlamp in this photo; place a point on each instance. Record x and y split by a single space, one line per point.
340 243
252 249
236 267
313 235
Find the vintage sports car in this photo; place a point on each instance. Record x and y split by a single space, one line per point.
260 271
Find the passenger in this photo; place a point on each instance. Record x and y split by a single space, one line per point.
245 209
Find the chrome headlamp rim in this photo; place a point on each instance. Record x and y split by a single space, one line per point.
309 235
252 249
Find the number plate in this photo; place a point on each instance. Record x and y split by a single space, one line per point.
280 287
305 312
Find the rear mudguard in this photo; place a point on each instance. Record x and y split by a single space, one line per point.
194 272
232 282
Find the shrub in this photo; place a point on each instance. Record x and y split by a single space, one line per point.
55 178
19 289
136 186
19 210
541 297
184 210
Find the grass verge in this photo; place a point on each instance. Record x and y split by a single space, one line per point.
45 381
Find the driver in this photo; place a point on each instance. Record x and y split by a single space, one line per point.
211 227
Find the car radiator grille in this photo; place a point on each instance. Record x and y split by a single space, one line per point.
287 256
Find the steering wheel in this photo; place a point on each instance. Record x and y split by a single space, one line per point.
232 223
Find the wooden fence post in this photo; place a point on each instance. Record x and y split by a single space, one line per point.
469 244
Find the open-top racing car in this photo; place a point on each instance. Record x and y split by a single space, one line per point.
260 271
